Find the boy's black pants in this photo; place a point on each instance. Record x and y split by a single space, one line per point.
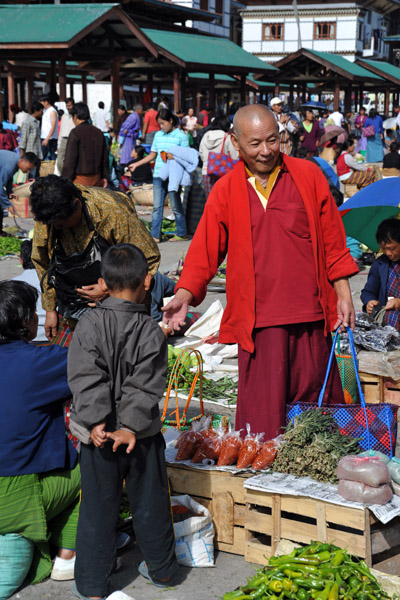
103 472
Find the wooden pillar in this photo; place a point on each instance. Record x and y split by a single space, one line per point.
361 96
53 79
298 96
211 90
62 79
183 91
243 88
84 88
176 91
115 83
276 89
11 93
304 94
30 91
291 96
387 102
71 89
336 97
347 99
198 100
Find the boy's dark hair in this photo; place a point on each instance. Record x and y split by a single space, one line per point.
394 147
36 107
81 111
71 100
46 98
53 197
30 157
301 152
124 266
388 231
17 307
25 254
347 143
221 122
101 105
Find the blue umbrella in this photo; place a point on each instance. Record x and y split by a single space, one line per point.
364 211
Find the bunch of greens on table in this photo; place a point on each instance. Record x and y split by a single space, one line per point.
223 389
313 447
315 572
9 245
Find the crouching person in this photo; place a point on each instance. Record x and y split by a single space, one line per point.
117 369
39 475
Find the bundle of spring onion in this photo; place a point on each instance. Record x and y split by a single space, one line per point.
315 572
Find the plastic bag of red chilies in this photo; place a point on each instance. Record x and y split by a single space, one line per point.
266 455
190 440
250 448
231 444
210 447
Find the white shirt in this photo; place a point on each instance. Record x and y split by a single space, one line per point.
30 276
337 118
100 118
46 124
67 124
20 118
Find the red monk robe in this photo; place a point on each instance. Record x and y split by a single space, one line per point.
280 317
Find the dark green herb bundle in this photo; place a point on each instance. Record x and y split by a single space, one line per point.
313 447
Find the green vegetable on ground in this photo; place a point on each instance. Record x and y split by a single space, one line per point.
10 245
335 576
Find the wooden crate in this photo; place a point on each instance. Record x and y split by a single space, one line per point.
271 517
378 389
224 496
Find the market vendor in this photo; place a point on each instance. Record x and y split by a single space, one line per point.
349 171
39 472
383 283
85 221
286 276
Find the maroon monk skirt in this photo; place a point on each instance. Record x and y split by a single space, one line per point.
288 364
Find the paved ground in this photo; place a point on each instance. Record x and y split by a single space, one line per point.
196 584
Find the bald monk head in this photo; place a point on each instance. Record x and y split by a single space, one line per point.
256 136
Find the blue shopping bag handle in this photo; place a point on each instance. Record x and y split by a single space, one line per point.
362 399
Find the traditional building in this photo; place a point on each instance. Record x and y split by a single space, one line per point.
276 28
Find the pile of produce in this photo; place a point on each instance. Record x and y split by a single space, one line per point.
9 245
208 446
223 389
315 572
313 447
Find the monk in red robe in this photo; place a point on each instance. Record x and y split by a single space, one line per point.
287 273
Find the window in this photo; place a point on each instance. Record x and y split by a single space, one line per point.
324 31
219 6
272 31
203 4
360 31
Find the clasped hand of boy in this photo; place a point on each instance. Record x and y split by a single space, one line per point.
121 437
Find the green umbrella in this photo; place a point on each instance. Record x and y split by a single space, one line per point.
362 213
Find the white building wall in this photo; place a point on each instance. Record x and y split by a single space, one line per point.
219 27
346 41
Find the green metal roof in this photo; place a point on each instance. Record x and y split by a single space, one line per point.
217 77
386 68
345 65
200 49
43 23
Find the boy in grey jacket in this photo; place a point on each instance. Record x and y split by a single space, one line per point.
117 367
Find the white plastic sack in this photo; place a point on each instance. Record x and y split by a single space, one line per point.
209 323
194 537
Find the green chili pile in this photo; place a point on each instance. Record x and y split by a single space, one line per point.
313 447
315 572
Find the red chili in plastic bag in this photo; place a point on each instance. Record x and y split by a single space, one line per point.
188 444
209 448
231 445
248 452
265 456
